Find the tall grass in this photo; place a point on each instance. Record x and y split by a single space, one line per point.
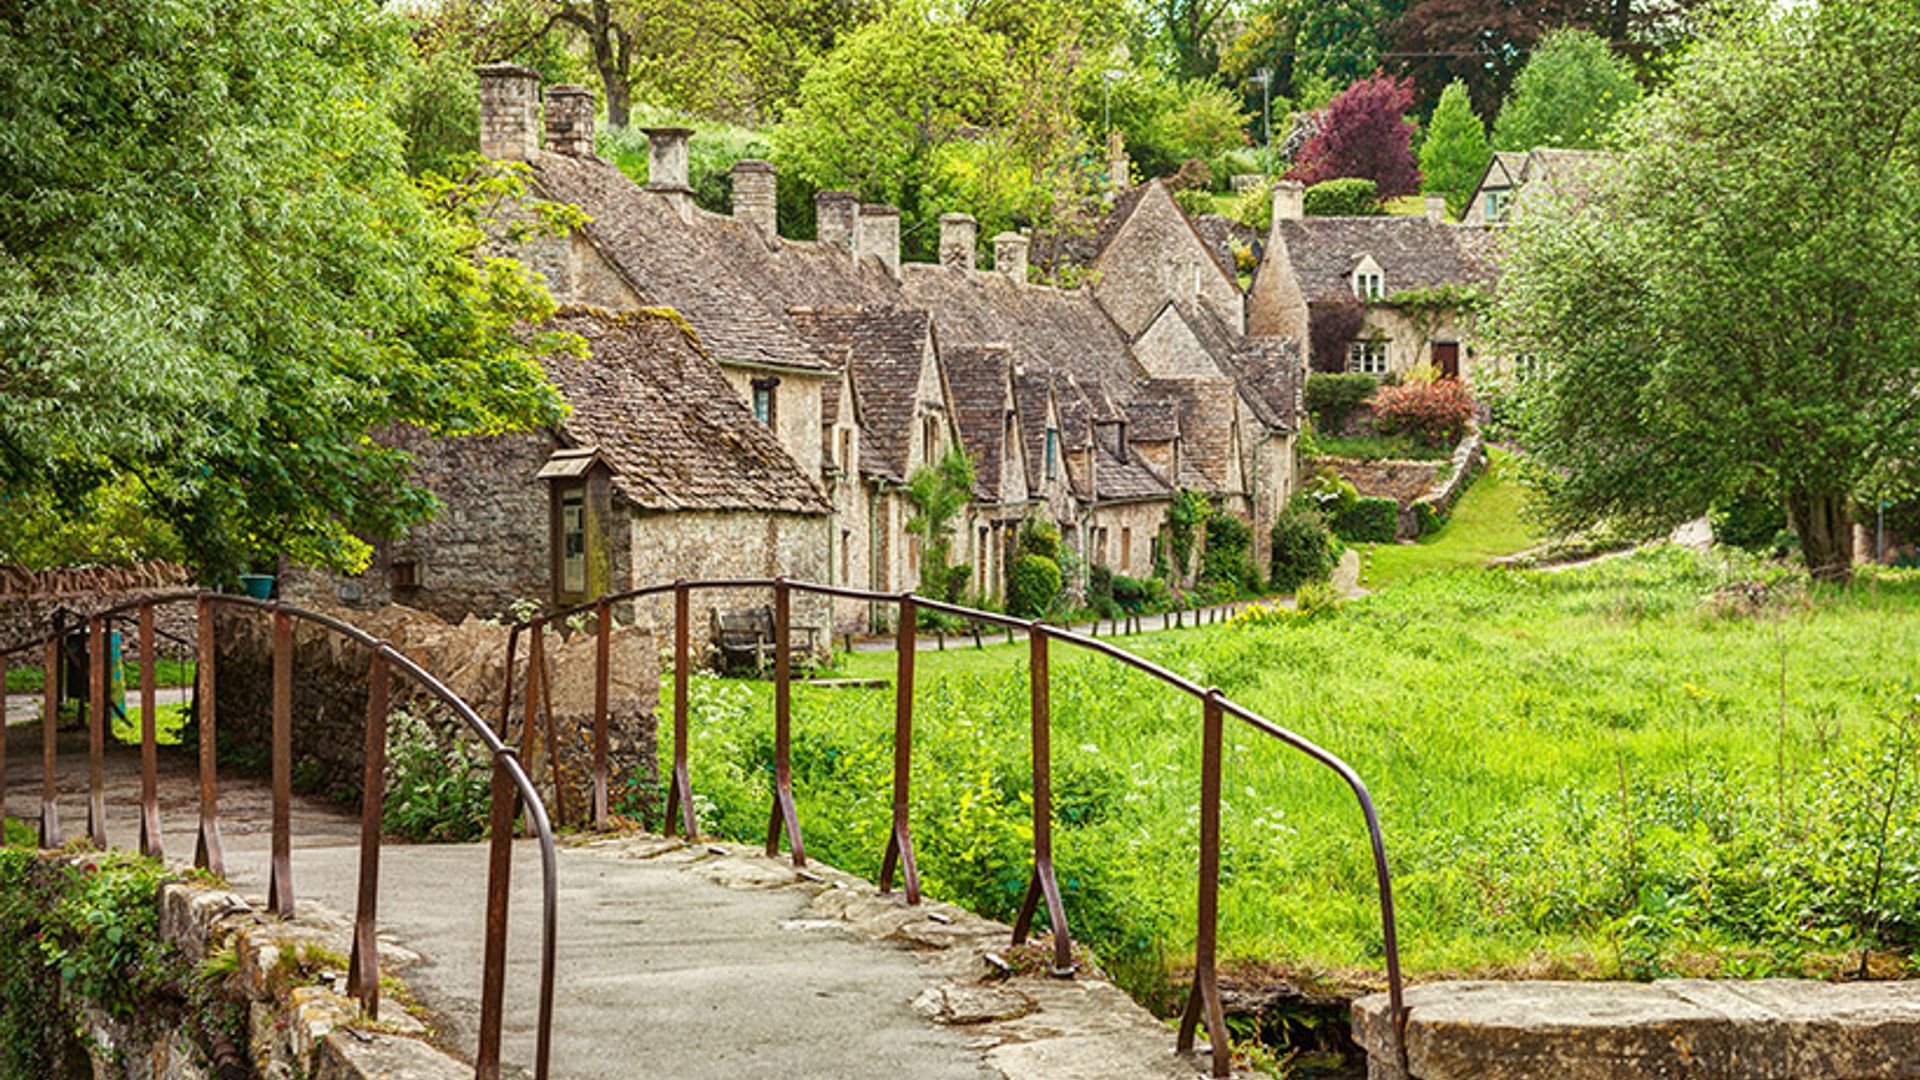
1595 773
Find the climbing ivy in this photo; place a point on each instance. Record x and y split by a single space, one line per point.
1426 308
1184 516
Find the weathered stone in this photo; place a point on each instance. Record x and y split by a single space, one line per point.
951 1004
1777 1029
363 1055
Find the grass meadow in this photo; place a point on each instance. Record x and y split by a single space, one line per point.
1658 764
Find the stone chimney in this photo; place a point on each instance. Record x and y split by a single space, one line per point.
1119 166
835 213
754 200
958 238
877 233
1437 209
509 112
1289 200
1010 256
570 120
667 167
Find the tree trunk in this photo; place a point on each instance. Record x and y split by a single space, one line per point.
619 104
1826 533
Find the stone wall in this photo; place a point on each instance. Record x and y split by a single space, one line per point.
709 544
1401 481
1468 459
330 696
1765 1029
28 598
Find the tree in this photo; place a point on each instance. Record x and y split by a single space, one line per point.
218 279
1481 43
1186 29
1364 133
1165 121
1455 152
938 491
1735 308
1567 96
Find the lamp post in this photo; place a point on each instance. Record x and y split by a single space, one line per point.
1106 95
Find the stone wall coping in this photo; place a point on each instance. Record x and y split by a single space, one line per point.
1701 1029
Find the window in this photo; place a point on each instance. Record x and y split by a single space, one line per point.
1527 367
404 574
1496 206
845 454
929 439
1367 357
1126 549
846 555
1053 446
1369 284
573 540
764 405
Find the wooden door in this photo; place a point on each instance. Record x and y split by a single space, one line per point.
1446 358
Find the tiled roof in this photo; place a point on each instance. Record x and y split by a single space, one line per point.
1115 480
1222 235
1203 410
1565 172
1152 419
885 348
1269 375
1413 253
978 375
661 414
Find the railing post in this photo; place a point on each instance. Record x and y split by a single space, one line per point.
553 733
602 660
363 964
280 876
206 854
1203 1001
680 789
783 811
1042 882
49 745
150 844
97 732
493 972
900 844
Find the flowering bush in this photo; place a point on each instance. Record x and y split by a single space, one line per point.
1434 412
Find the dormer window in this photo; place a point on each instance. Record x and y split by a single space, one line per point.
1369 284
764 404
1053 449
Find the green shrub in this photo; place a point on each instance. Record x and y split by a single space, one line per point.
1332 398
1197 202
1368 520
1348 197
1317 598
1304 549
1038 537
1254 208
1032 585
1227 560
1329 493
1100 592
437 784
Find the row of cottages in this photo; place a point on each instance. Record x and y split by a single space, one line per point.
1091 406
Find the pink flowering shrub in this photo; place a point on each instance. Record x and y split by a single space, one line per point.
1435 412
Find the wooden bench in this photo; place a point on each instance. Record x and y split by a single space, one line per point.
745 639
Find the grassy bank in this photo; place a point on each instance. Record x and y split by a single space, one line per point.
1616 771
1487 522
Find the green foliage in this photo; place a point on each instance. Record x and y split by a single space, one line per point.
226 277
1455 152
1194 201
1033 582
1762 171
1304 549
712 152
1038 536
1163 120
1396 447
1333 397
1253 208
1368 520
1185 516
1227 559
1567 96
938 492
438 111
437 783
1741 847
1346 197
1751 521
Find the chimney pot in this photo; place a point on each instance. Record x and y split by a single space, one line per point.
1010 256
667 167
878 234
1437 208
755 198
509 112
835 213
1119 166
1289 200
959 235
570 120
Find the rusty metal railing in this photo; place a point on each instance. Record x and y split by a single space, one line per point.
1203 1007
512 791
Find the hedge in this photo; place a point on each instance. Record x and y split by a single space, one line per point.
1349 197
1031 585
1369 520
1303 549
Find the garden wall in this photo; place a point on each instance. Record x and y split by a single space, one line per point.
28 598
330 697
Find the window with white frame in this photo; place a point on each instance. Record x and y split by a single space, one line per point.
1369 284
1367 357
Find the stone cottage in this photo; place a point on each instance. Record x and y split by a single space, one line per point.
1091 406
1405 286
657 472
1509 175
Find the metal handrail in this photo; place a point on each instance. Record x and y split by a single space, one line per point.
511 789
1203 1005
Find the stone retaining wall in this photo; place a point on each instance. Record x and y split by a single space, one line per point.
1468 459
28 599
1687 1029
330 696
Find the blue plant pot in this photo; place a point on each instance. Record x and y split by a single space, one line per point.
258 586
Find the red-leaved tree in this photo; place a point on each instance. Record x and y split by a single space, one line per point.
1365 133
